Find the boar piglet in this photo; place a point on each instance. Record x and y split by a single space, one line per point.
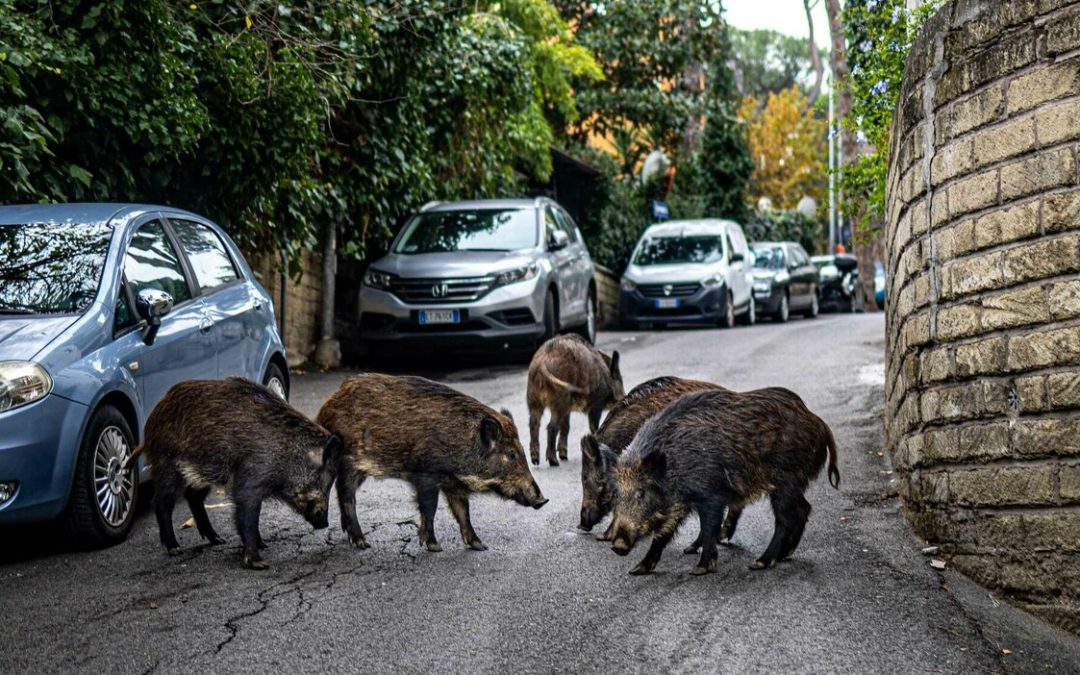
713 450
239 434
431 436
566 375
619 428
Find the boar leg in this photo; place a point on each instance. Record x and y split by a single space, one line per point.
785 516
427 498
535 413
648 563
459 506
731 521
166 484
712 518
196 500
564 436
608 533
348 482
552 435
247 524
802 513
594 419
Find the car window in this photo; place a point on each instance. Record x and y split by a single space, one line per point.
679 250
551 224
730 246
566 224
206 252
51 268
507 229
151 262
123 316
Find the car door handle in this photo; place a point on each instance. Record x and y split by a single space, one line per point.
205 325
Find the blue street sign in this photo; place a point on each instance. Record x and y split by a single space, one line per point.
660 210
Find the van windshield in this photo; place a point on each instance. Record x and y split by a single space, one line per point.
472 230
676 250
50 268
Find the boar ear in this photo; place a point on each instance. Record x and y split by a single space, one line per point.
654 464
506 411
608 458
490 432
615 363
590 449
332 449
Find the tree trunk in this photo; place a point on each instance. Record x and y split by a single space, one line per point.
815 58
328 350
849 149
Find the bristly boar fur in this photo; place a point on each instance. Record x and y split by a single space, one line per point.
432 436
713 449
236 433
619 428
566 375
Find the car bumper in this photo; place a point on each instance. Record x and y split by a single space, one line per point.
768 301
511 316
707 305
832 295
38 447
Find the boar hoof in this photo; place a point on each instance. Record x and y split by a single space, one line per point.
359 542
215 540
478 545
434 547
642 568
174 551
691 549
563 455
698 570
553 462
255 564
762 564
536 461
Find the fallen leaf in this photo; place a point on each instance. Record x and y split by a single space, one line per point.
1005 652
937 564
930 550
153 605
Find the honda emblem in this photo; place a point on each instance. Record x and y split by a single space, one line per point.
439 290
668 288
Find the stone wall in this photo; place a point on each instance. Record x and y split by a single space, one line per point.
303 300
983 321
607 296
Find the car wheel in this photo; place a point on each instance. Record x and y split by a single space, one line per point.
588 329
815 307
550 325
750 318
783 312
728 319
103 494
275 381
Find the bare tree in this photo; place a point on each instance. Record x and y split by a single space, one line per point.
815 56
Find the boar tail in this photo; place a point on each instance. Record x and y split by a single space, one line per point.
561 383
130 462
834 473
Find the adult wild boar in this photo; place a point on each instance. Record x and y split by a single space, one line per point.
715 449
239 434
566 375
431 436
619 428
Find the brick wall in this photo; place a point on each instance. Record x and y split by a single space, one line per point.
983 321
303 300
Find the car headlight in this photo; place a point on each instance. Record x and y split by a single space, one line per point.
22 382
627 284
829 272
782 278
713 281
762 285
520 274
376 279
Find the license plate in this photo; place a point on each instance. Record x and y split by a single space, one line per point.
668 303
430 316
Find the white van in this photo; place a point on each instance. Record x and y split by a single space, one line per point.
689 271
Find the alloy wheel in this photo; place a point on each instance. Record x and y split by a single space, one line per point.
113 485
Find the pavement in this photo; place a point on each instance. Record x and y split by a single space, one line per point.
858 597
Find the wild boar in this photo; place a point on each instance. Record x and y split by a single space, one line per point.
238 434
713 449
566 375
619 428
433 437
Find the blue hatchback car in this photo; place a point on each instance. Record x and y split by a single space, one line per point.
103 307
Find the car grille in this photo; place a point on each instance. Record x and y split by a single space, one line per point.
441 291
660 290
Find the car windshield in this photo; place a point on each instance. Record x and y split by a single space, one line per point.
768 257
50 268
472 230
822 261
676 250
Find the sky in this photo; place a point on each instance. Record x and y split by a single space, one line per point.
784 16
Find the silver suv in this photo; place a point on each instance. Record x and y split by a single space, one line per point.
508 273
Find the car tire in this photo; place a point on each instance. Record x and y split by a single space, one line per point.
783 312
727 320
551 324
750 318
275 381
102 516
815 306
588 329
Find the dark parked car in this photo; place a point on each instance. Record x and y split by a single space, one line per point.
103 307
785 280
841 286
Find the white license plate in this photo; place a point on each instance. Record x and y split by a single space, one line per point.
667 303
430 316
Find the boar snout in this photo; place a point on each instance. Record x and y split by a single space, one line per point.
318 515
621 546
532 496
590 516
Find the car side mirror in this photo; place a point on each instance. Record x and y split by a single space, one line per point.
558 240
152 304
737 257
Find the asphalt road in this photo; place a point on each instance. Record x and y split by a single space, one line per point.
858 597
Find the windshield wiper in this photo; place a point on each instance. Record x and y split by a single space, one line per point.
15 310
